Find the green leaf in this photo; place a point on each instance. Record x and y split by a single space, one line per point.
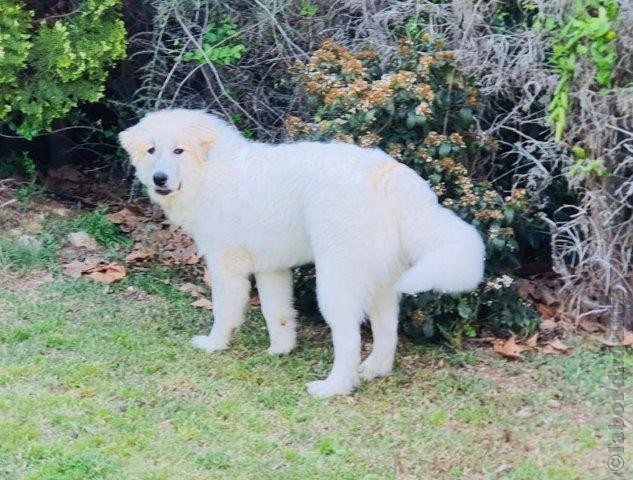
411 121
445 150
465 310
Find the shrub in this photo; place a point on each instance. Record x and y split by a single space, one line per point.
49 66
420 109
220 45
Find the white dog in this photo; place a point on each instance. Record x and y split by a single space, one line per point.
372 226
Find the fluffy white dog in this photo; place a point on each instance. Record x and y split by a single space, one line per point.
372 226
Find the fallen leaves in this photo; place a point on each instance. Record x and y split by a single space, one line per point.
196 292
76 268
547 298
108 273
127 218
508 348
203 303
192 289
512 350
154 239
138 256
556 346
531 342
95 270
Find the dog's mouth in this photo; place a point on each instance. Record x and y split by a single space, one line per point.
166 191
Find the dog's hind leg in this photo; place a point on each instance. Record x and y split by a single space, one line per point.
275 294
383 315
341 306
230 295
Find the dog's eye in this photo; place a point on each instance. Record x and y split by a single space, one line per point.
151 150
178 151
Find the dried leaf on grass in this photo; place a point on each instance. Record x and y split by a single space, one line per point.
531 342
127 218
203 303
107 274
192 289
512 350
76 268
556 346
155 239
95 270
138 256
508 348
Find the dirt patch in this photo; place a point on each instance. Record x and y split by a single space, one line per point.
25 283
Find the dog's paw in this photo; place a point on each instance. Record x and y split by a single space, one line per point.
373 368
281 348
328 388
208 344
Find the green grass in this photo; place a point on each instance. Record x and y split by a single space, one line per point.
97 225
22 257
99 382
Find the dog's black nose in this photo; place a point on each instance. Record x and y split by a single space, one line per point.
160 179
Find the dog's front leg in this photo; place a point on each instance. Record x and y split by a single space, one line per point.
275 293
230 294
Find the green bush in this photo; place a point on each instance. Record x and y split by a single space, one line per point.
420 109
49 66
220 45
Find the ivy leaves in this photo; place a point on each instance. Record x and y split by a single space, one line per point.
588 32
220 45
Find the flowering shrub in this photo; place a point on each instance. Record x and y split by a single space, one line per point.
419 108
49 67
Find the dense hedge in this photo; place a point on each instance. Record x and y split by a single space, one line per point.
420 108
50 65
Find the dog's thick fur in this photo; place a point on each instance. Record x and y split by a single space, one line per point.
372 226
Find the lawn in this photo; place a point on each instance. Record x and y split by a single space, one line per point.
99 382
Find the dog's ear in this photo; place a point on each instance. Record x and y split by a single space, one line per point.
208 137
132 141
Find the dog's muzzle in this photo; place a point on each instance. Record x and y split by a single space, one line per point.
166 191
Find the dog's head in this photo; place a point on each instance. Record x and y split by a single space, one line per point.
169 149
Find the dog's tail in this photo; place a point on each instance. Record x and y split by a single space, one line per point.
447 254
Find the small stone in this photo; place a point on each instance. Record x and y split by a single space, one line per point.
82 239
29 241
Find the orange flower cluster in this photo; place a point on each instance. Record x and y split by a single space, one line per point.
295 127
434 139
369 140
347 85
489 214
